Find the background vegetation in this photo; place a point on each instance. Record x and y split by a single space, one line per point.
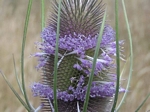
12 17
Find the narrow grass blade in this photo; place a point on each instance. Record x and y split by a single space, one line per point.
142 103
131 54
56 58
94 64
17 77
42 14
16 94
117 55
22 51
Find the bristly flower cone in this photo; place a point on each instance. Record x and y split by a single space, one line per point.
79 16
80 21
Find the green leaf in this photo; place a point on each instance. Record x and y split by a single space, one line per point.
142 103
131 54
117 55
94 64
22 52
56 59
14 91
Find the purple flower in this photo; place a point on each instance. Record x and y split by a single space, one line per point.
98 89
77 42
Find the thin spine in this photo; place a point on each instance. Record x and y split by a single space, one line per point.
50 103
78 107
56 58
38 108
94 64
22 52
117 55
124 68
131 54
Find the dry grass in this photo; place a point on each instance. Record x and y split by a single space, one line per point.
11 29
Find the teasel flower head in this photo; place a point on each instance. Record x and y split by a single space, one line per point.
80 21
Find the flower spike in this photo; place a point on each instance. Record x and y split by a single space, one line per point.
79 27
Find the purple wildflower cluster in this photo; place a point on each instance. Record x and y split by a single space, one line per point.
97 90
79 45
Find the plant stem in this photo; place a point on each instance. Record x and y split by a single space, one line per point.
56 59
117 56
22 52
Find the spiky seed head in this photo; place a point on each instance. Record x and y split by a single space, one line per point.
80 21
78 16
